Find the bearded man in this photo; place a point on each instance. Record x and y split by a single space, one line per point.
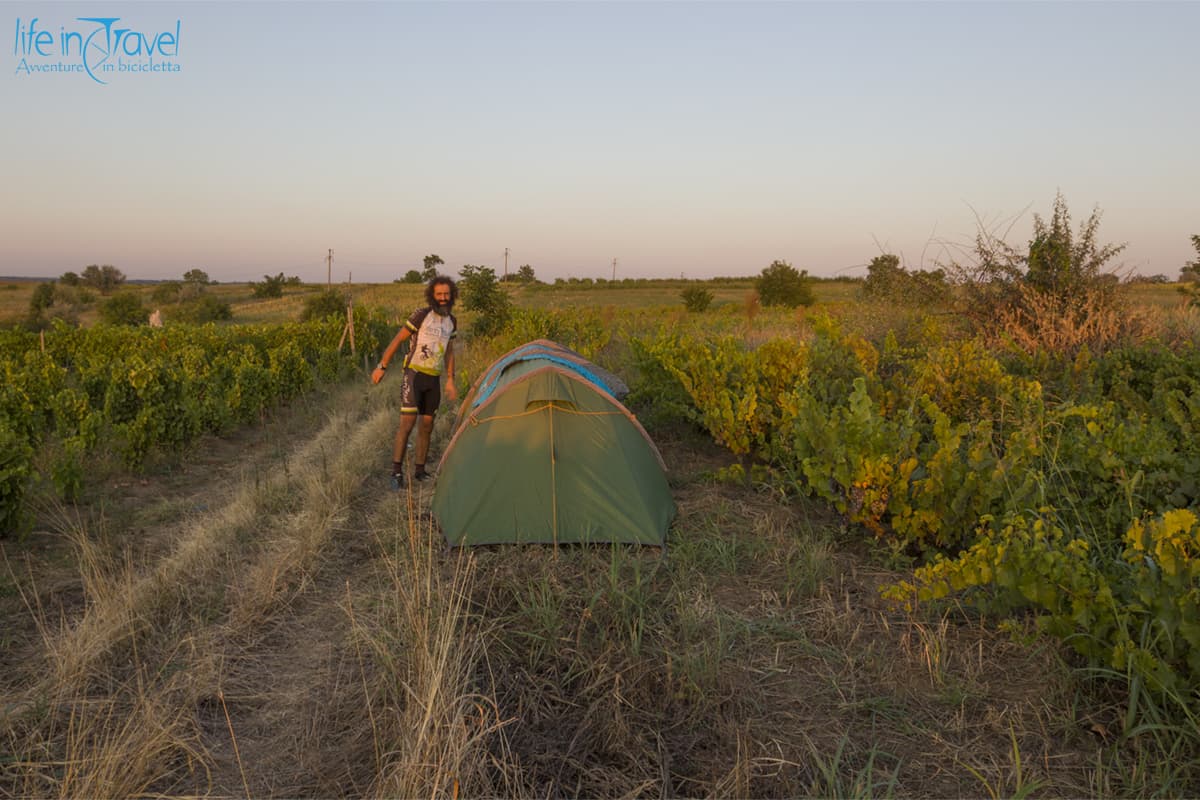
432 330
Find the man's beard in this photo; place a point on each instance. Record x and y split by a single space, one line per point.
442 308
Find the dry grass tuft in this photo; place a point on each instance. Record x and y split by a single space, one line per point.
1091 317
430 727
1176 327
136 740
322 485
751 305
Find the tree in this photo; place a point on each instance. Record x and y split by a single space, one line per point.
525 274
1191 270
196 276
123 309
412 276
883 274
432 262
69 279
482 292
105 278
782 285
270 287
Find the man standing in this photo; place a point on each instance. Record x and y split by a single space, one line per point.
431 353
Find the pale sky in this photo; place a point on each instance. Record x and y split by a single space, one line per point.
682 138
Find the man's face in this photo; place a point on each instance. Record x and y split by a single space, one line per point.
441 298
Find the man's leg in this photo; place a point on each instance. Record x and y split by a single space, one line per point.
409 407
401 444
424 434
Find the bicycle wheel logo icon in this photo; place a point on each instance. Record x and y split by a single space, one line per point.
97 50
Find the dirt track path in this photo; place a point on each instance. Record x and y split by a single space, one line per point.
289 667
223 588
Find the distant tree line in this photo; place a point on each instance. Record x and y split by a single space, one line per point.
67 296
102 278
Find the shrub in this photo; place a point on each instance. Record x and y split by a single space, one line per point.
73 295
123 309
887 280
329 303
1136 617
269 287
696 298
205 308
1059 263
43 297
884 273
15 473
482 292
781 284
1190 276
189 291
166 292
585 332
1053 294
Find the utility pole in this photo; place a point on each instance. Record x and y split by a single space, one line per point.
614 277
329 269
506 264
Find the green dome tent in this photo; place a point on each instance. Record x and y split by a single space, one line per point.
544 451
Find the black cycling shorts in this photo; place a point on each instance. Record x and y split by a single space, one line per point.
422 394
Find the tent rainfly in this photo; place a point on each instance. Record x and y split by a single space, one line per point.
543 451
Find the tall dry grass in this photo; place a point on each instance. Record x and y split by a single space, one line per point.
130 743
110 706
1093 317
1097 317
251 535
434 733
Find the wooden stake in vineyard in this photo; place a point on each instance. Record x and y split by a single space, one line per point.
349 329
